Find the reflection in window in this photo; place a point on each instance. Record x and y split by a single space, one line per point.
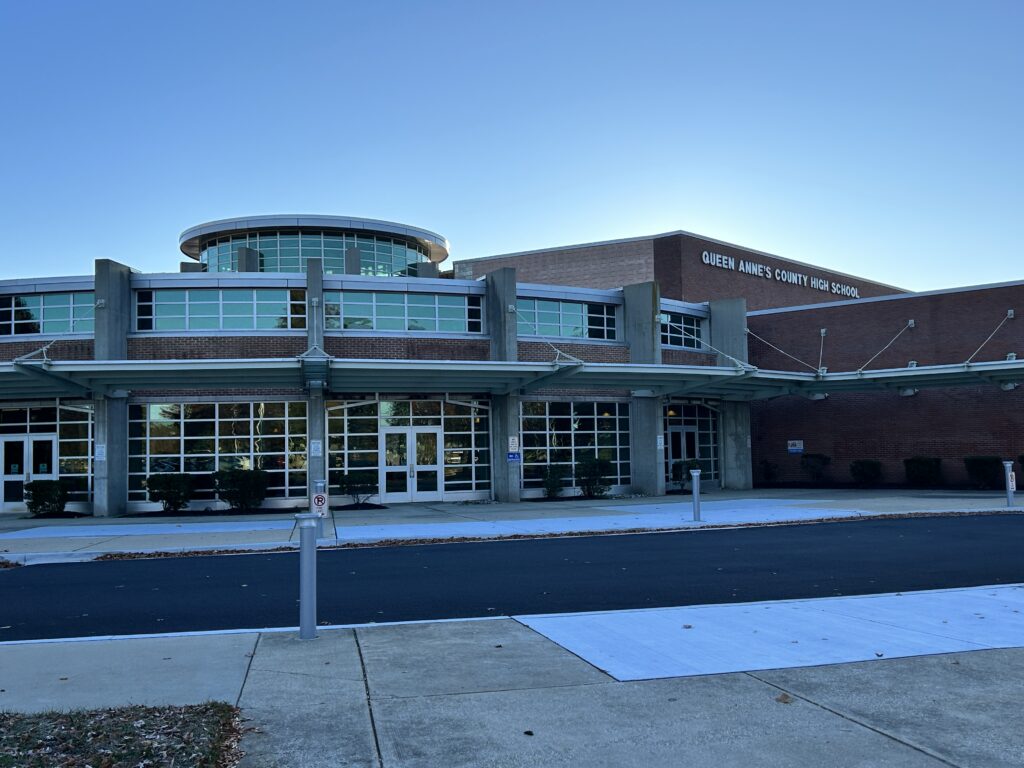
570 319
47 313
224 309
679 330
379 311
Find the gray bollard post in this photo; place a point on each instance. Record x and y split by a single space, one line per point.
695 475
307 574
1011 482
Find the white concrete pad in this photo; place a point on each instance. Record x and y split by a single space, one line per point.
712 639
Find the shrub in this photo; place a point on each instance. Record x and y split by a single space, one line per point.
45 497
681 470
984 471
357 487
173 491
815 464
866 473
591 473
924 471
554 480
241 488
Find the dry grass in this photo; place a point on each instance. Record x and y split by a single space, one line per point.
197 736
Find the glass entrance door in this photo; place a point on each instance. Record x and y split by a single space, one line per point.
410 464
24 458
682 446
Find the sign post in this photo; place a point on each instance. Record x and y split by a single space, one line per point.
1011 482
695 475
307 574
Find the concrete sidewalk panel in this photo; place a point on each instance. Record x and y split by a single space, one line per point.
728 721
303 711
333 655
461 657
111 673
965 707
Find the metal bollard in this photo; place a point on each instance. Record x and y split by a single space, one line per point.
695 476
1011 482
307 574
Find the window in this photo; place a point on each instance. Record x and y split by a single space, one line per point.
679 330
220 309
73 426
542 317
379 311
700 420
47 313
201 438
563 433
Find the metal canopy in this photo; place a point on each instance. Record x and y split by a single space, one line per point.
22 379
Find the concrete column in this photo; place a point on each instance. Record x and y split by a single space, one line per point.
425 269
729 334
506 477
190 266
248 259
501 323
113 293
641 325
353 261
316 452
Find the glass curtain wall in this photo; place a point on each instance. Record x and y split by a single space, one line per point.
379 311
563 433
201 438
47 313
226 309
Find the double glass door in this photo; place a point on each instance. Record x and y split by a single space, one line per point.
410 464
682 446
24 458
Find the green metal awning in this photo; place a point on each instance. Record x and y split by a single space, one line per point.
36 379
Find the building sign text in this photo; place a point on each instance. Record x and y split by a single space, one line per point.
779 275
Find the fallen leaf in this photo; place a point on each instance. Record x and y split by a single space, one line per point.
784 698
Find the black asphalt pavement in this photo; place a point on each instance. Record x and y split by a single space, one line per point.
556 575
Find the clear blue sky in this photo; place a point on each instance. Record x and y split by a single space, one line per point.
878 138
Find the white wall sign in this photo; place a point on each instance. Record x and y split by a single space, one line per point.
513 444
766 272
101 451
795 446
316 447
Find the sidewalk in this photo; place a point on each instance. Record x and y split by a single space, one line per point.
513 692
28 541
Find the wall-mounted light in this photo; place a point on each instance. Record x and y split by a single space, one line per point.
1009 386
907 392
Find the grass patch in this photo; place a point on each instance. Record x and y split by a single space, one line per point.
197 736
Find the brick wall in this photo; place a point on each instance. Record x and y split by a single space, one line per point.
612 265
949 327
946 423
539 352
682 274
684 357
398 348
70 349
214 347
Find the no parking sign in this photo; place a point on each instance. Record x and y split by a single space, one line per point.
319 503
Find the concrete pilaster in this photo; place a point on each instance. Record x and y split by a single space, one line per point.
641 325
506 477
190 266
113 294
425 269
316 449
729 335
248 259
315 303
353 261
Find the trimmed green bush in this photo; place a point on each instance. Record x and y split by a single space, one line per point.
815 464
984 472
591 476
173 491
46 497
554 480
241 488
357 487
866 473
681 470
924 472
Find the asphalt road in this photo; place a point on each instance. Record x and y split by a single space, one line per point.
513 577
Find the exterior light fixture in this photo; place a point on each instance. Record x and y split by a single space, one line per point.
907 392
1009 386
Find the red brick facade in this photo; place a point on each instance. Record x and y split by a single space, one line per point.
405 348
540 352
62 349
214 347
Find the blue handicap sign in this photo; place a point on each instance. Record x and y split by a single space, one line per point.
515 457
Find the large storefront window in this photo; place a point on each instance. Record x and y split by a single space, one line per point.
288 251
564 433
691 432
571 319
201 438
410 450
679 330
47 313
220 309
378 311
46 442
